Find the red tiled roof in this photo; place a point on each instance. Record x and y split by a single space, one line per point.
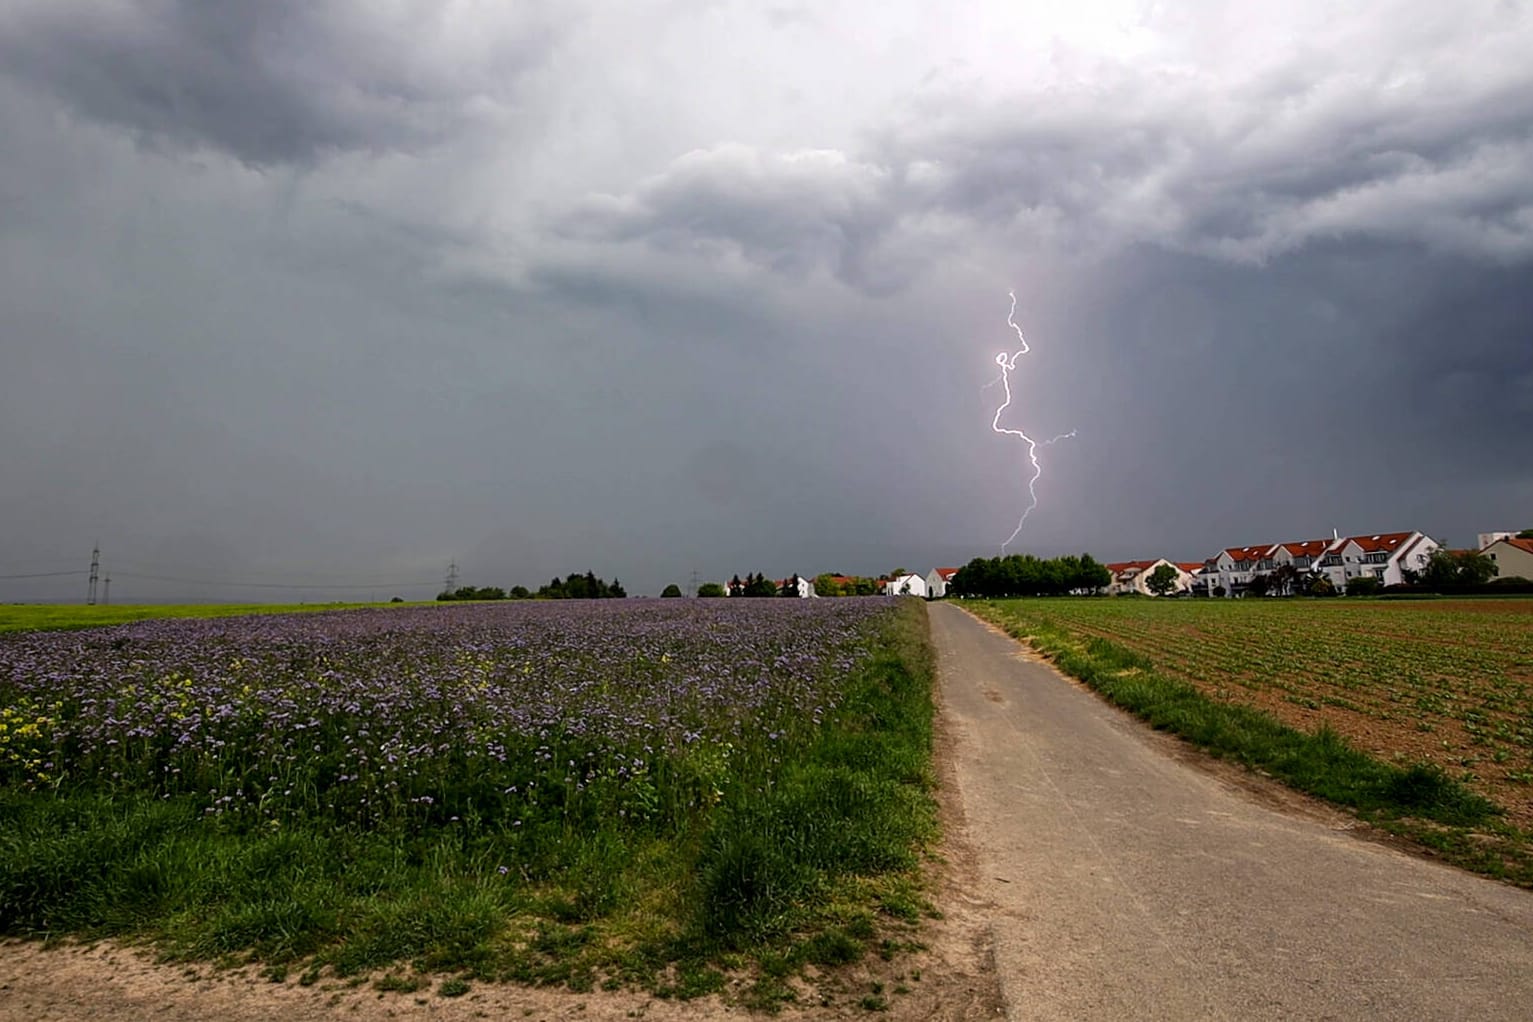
1385 542
1248 553
1120 567
946 574
1525 545
1190 567
1308 548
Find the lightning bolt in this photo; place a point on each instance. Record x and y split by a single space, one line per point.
1008 364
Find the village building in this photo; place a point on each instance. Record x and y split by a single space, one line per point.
1513 557
909 584
1134 576
1384 556
937 582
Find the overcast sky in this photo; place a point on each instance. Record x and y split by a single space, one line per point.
340 292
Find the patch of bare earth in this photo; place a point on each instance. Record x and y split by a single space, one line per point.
952 978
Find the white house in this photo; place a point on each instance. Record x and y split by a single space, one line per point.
1384 556
1513 557
909 584
1133 576
937 580
1233 568
805 585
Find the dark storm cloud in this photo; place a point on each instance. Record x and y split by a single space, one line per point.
792 213
272 81
662 289
1244 175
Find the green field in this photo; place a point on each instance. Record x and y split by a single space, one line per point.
26 617
1442 686
650 793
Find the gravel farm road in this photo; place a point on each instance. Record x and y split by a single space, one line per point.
1126 882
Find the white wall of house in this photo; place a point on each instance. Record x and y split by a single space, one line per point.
936 583
1235 574
1513 558
1413 554
1136 578
906 585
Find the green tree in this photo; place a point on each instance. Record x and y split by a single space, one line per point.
1364 585
825 584
1317 583
1525 534
710 590
1475 568
759 585
1448 569
671 590
1285 579
1162 580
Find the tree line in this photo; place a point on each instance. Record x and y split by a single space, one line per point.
1026 575
572 587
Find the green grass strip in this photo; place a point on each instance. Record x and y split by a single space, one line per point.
61 616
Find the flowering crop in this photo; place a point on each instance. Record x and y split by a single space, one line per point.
504 713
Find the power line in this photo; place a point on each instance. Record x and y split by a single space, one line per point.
47 574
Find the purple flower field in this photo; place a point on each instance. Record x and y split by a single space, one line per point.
508 711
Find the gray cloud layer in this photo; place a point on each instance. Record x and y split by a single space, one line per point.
340 292
271 82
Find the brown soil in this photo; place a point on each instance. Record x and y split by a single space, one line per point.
110 982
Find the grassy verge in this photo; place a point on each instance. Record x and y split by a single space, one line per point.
809 856
29 617
1419 802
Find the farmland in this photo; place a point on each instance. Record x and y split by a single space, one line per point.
20 617
548 792
1448 683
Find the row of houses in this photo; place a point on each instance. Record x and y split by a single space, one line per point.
1384 556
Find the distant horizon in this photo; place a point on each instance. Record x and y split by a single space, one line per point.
352 592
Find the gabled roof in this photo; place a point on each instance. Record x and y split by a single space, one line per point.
946 574
1308 548
1119 567
1384 542
1249 553
1190 567
1525 545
